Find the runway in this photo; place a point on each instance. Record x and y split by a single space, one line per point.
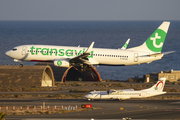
110 109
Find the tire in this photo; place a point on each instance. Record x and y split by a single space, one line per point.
21 65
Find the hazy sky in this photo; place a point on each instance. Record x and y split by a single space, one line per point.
89 9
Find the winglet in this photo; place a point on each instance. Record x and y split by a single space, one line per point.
125 45
90 47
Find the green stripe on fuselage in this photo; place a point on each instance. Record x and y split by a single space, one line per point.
58 52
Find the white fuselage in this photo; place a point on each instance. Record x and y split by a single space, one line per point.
98 55
121 95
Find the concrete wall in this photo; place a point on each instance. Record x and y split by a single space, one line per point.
12 75
76 73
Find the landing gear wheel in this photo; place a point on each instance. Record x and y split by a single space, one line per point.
21 65
90 99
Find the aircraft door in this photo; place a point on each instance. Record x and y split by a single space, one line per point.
23 50
143 94
100 95
135 57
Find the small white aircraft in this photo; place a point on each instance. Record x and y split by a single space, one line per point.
156 89
65 56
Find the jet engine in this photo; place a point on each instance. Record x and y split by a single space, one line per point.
61 63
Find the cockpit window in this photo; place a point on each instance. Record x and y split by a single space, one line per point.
14 49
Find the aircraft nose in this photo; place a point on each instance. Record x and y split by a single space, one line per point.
86 96
8 53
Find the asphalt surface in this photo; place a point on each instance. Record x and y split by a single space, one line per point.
110 109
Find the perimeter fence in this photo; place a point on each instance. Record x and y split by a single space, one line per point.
39 108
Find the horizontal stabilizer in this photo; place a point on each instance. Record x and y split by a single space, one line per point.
165 53
152 55
157 54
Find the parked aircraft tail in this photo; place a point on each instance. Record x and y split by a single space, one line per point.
155 42
158 87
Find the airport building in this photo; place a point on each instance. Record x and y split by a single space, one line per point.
171 76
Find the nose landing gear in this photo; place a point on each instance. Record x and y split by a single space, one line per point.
16 60
21 65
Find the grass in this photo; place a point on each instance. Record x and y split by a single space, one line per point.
110 85
55 96
32 88
2 116
77 89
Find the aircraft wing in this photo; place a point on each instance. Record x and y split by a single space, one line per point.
83 58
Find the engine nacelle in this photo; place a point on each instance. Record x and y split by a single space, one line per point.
61 63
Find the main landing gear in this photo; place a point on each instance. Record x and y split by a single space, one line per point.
120 100
90 99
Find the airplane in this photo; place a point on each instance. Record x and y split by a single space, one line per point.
156 89
65 56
